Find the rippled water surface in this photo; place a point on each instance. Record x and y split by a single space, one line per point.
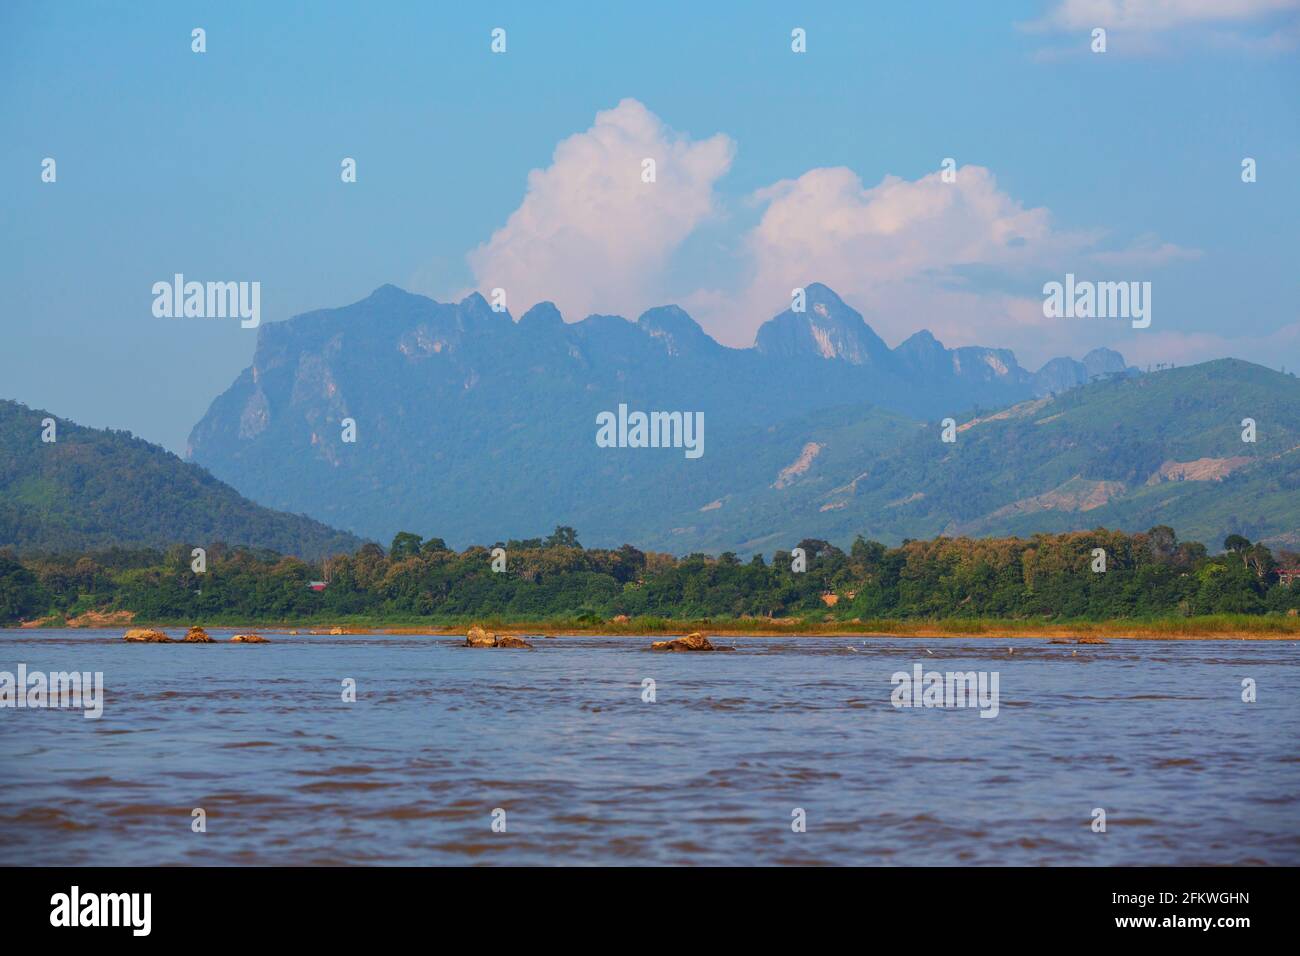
559 737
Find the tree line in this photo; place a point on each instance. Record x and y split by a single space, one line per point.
1048 576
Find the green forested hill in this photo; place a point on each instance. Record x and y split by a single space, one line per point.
97 489
1163 448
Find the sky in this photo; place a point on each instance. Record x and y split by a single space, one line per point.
524 170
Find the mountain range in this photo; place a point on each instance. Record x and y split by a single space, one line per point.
474 427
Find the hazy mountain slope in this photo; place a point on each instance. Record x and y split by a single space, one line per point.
1164 448
476 428
94 489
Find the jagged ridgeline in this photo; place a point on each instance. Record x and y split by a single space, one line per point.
91 488
474 427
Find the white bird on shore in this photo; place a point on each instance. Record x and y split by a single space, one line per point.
1011 650
930 652
851 648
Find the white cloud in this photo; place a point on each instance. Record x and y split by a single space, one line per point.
894 230
590 235
1146 252
1154 15
1161 27
907 254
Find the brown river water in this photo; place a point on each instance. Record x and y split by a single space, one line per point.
452 755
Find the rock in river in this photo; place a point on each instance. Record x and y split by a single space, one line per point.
691 642
144 635
477 637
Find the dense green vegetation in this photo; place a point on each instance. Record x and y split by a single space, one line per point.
1044 578
1104 454
93 488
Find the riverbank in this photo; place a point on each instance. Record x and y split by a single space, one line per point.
1216 627
1179 629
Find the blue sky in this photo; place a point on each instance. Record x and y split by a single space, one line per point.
775 169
